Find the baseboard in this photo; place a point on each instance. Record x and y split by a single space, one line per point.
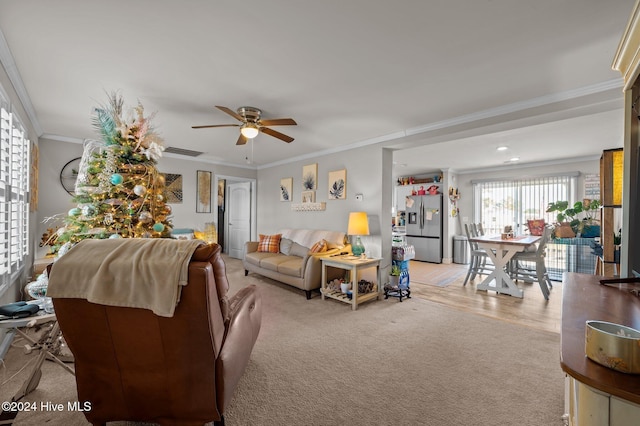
447 260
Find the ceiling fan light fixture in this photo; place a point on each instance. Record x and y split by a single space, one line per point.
249 130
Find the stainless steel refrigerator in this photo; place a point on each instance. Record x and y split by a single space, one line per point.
424 227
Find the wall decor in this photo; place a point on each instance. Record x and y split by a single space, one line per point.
338 184
308 196
203 193
286 188
172 188
310 177
221 185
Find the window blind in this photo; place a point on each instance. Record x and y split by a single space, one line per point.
14 193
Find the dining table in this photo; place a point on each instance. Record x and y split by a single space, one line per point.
500 251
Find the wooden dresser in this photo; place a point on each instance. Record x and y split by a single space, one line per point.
596 395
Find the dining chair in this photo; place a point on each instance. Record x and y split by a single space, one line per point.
478 263
523 270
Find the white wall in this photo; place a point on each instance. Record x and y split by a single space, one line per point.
54 200
365 176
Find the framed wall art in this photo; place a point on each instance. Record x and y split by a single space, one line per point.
308 196
286 188
203 192
310 177
338 184
172 188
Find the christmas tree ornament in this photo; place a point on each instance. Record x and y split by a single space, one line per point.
159 198
139 190
114 236
145 217
158 227
75 212
116 179
108 218
88 210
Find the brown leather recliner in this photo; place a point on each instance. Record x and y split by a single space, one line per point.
134 365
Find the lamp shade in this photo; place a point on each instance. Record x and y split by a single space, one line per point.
249 130
358 224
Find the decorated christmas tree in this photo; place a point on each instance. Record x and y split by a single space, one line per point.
119 191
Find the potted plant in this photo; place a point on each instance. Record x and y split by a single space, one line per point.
394 276
578 219
617 240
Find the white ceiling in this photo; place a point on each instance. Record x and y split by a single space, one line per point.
446 81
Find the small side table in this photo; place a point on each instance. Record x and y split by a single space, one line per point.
353 264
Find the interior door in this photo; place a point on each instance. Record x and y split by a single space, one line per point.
239 217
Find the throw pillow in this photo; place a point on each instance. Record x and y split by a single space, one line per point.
298 250
536 227
269 243
285 246
319 247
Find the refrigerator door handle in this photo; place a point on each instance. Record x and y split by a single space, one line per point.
421 214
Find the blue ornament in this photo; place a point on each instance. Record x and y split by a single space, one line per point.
114 236
116 179
158 227
75 212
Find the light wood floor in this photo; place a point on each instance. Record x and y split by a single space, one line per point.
531 311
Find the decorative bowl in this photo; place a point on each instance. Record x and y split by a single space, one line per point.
613 345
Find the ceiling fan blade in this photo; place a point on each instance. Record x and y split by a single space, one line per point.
230 112
275 134
279 122
215 125
241 140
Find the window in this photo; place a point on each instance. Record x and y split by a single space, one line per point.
503 203
14 193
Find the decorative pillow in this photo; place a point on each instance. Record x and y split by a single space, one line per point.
319 247
536 227
269 243
298 250
285 246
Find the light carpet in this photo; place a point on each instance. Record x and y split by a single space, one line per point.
388 363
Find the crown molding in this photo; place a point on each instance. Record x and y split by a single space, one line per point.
627 57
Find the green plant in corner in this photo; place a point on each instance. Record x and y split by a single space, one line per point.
580 214
617 237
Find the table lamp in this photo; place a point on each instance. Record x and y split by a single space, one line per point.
358 225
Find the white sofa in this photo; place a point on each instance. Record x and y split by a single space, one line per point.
293 264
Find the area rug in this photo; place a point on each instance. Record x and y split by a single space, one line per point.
317 362
439 275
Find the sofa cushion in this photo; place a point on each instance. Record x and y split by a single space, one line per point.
256 257
285 246
298 250
318 247
292 267
269 243
272 262
308 237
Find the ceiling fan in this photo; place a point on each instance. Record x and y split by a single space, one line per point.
251 124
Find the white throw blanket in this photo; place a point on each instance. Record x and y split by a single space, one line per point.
138 273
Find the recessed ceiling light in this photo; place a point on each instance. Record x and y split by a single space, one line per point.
502 148
513 159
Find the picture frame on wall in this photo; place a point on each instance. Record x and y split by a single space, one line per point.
203 191
172 188
310 177
286 189
308 196
338 185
